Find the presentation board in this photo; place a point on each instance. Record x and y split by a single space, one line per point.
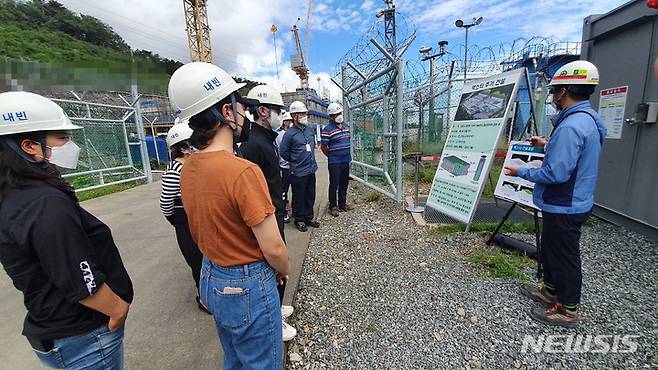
471 144
516 189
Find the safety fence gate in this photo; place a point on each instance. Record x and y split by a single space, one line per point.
112 141
373 98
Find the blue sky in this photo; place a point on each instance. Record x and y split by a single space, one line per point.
242 42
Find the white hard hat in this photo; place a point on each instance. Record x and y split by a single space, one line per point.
180 132
579 72
266 94
22 111
197 86
334 108
287 116
298 107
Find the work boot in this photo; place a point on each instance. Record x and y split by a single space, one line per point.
301 226
557 315
538 294
314 224
346 208
333 211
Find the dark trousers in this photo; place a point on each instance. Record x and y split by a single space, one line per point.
281 225
285 178
339 178
303 197
560 254
188 247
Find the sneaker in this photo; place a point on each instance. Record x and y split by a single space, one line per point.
346 208
286 311
286 219
556 315
314 224
538 294
333 212
301 226
289 332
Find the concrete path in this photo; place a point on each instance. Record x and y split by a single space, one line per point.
165 330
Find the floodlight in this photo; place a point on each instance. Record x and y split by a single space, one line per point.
478 20
425 49
459 23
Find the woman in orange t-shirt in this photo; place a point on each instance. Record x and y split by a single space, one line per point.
231 218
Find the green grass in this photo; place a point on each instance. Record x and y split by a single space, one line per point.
502 264
508 227
373 196
110 189
425 173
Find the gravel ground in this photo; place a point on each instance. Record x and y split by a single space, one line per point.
379 292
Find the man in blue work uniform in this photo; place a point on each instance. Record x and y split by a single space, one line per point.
298 148
564 191
337 147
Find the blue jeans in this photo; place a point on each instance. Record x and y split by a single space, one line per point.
99 349
245 305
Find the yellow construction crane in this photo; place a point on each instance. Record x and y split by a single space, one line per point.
299 60
198 31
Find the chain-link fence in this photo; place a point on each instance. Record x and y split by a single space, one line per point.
113 148
122 138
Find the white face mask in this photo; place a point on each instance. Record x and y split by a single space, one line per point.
276 120
65 156
303 121
339 118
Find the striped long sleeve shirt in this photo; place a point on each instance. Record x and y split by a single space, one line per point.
170 197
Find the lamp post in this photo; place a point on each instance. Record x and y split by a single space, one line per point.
425 53
459 23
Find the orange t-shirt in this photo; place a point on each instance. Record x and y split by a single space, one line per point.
224 196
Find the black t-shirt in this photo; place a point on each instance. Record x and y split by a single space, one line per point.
262 151
57 254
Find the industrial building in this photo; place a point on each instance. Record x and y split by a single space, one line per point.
317 107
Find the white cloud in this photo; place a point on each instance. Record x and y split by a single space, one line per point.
242 41
550 18
367 5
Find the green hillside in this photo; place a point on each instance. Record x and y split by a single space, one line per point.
65 47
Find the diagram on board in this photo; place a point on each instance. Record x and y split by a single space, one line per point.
464 167
520 155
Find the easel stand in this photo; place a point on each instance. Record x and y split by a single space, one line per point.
534 251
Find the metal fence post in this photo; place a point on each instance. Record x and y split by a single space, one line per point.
386 122
400 128
140 133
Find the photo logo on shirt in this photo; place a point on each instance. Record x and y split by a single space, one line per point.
88 276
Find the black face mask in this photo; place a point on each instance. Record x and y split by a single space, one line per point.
244 134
